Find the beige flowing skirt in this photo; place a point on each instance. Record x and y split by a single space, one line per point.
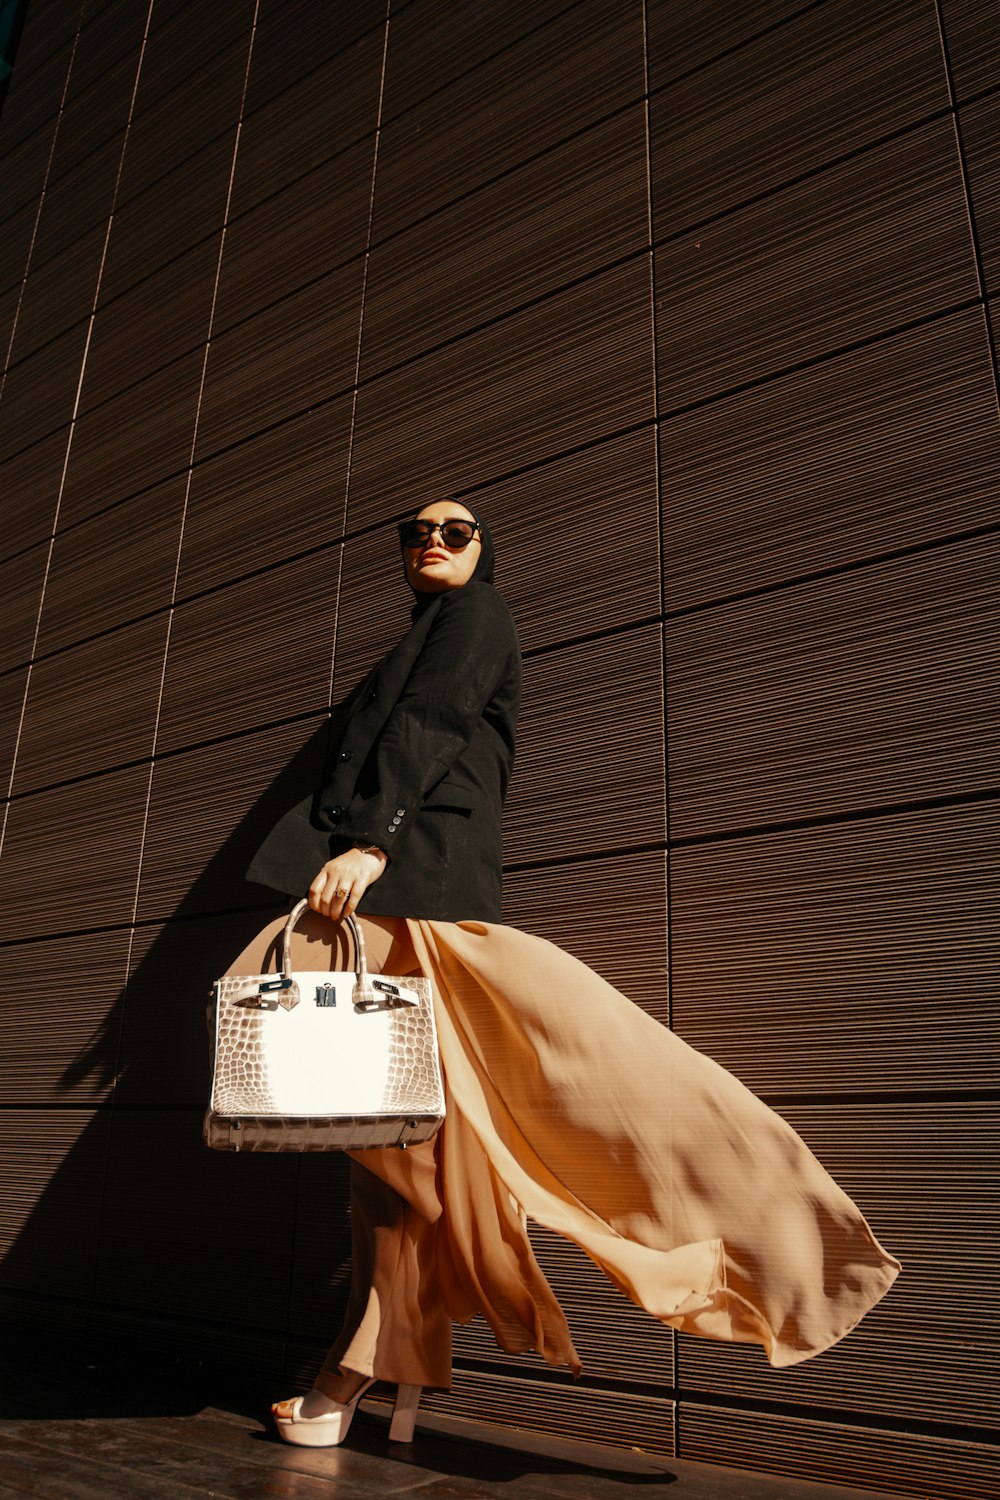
569 1105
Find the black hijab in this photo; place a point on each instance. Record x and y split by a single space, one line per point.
482 573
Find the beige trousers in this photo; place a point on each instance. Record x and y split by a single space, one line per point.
396 1327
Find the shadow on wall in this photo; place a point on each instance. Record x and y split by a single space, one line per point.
144 1241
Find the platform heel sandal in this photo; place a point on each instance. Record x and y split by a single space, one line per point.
404 1413
328 1429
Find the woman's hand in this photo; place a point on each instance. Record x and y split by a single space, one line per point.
342 882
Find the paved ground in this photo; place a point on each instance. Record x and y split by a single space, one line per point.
84 1433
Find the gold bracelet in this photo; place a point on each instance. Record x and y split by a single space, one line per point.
371 849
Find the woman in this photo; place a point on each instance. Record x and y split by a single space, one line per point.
566 1103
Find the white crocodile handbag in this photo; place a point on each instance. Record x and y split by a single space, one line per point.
316 1061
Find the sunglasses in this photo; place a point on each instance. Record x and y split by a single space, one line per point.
456 533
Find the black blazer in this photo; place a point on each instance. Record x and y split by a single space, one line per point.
419 760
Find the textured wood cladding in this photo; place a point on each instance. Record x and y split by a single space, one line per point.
295 37
59 1039
295 236
765 287
93 706
259 503
564 1410
212 687
887 447
905 1462
836 78
93 825
209 809
574 793
162 1043
576 540
297 353
112 567
837 958
549 81
970 32
132 442
980 125
861 690
152 324
21 582
173 1212
39 392
579 207
568 371
309 123
49 1232
29 484
153 225
608 912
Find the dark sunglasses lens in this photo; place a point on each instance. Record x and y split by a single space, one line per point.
415 533
458 533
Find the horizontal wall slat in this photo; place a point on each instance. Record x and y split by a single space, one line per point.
585 63
165 1042
61 1009
880 449
609 913
71 855
263 500
173 1214
310 122
52 1165
21 582
972 44
291 238
764 288
980 127
294 355
565 373
907 1463
214 686
864 689
151 325
204 103
574 791
113 566
92 707
30 482
133 441
841 958
563 1409
210 810
830 81
563 215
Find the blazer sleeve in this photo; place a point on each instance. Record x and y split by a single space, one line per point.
468 654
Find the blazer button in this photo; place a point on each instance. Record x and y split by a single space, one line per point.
336 812
400 812
345 755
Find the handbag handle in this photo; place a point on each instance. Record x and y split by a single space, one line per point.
369 994
360 960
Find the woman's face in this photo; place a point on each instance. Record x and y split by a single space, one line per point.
434 567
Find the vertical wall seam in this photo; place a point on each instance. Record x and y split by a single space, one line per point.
361 329
967 194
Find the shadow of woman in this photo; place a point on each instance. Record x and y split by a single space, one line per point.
143 1245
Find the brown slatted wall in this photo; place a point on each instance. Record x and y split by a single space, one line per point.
694 301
